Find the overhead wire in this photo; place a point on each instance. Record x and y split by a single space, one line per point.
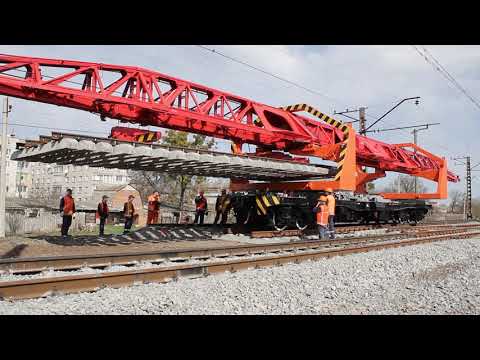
52 128
315 92
429 58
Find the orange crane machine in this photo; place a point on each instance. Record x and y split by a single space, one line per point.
149 98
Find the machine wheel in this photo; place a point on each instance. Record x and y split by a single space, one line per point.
301 222
278 221
248 218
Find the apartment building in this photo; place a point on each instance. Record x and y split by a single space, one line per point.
17 181
26 179
83 180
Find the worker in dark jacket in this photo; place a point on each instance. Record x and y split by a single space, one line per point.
201 208
222 206
129 214
67 209
102 210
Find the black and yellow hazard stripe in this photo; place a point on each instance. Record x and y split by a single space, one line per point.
331 121
148 137
264 201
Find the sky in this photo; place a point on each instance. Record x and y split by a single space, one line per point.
376 77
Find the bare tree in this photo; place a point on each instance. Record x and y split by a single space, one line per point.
14 222
146 182
405 184
457 199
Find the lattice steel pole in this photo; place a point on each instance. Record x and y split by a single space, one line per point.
468 198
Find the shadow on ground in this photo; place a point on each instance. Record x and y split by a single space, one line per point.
15 252
145 235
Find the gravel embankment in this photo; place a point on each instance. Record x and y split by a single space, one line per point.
437 278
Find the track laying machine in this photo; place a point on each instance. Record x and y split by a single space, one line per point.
294 133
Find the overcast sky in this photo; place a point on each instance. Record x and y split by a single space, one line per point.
347 76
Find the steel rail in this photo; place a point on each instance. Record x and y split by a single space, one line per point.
24 289
34 265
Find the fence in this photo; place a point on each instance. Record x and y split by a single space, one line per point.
19 223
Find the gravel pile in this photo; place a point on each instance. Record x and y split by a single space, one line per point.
437 278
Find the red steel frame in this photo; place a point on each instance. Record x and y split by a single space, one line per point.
146 97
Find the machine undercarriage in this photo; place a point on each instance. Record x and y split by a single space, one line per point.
280 211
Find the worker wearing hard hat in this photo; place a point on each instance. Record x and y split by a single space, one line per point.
321 211
330 199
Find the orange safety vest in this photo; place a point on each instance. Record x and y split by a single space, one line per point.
201 203
68 205
322 215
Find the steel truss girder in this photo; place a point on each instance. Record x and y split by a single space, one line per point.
142 96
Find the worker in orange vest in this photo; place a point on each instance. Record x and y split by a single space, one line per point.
153 208
67 209
331 213
321 211
201 208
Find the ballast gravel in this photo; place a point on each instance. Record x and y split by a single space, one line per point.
436 278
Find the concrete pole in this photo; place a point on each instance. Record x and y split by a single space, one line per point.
3 168
363 121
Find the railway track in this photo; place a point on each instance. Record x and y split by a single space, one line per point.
34 265
208 230
197 262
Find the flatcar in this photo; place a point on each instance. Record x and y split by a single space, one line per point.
281 211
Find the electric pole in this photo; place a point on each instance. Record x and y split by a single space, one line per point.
467 206
415 141
363 121
3 166
415 131
468 198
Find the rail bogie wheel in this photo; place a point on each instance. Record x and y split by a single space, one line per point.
301 222
280 219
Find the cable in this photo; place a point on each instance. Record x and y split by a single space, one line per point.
51 128
269 73
441 69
